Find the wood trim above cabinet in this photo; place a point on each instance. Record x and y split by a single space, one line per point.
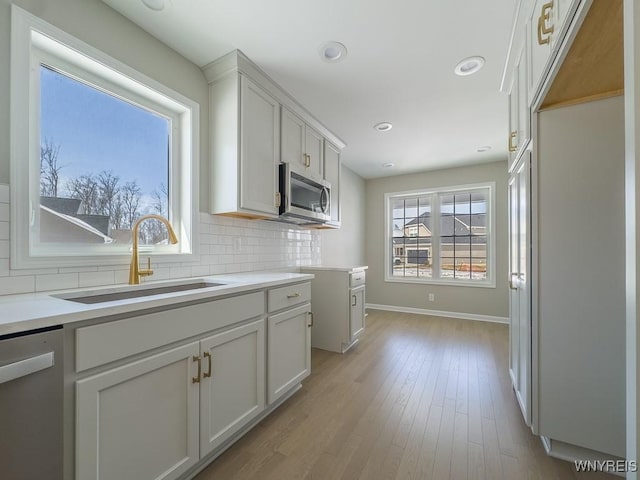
593 67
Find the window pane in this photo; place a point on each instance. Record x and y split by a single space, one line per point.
462 224
446 204
411 207
478 224
479 268
94 188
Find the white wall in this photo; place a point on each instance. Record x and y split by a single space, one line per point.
345 246
491 302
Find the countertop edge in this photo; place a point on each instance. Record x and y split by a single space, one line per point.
41 310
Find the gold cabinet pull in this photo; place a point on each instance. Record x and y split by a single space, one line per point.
355 300
293 295
196 358
307 160
310 324
278 199
545 16
512 136
207 374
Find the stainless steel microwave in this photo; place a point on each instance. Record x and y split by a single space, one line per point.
303 198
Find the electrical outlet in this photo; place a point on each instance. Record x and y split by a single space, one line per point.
432 297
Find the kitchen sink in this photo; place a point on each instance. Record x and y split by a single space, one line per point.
101 296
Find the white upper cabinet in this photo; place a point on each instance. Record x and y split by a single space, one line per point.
332 174
249 137
301 144
542 32
245 148
260 148
519 117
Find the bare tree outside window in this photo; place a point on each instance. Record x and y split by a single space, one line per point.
49 168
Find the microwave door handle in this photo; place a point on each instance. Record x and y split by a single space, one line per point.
324 200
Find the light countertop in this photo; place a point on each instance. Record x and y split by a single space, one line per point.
337 268
20 313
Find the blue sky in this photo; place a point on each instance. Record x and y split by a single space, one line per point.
96 131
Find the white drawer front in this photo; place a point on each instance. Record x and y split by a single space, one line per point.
106 342
289 296
357 279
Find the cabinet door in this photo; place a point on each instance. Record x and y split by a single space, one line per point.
289 357
233 382
314 147
513 120
260 149
541 34
520 285
139 420
356 316
332 174
523 123
293 136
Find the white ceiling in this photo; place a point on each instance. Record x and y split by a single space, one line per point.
399 69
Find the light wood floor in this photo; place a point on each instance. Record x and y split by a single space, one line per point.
419 398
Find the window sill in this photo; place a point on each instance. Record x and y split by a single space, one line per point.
449 283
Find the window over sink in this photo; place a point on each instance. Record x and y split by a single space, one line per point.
95 145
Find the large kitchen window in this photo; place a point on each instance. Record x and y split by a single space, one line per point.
441 236
95 146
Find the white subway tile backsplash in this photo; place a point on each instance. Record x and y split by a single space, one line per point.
4 212
58 281
200 271
227 245
4 268
13 285
94 279
181 272
4 193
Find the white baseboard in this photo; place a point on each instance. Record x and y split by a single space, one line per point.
438 313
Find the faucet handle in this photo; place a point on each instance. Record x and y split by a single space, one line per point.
148 272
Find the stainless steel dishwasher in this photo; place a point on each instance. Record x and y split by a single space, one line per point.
31 389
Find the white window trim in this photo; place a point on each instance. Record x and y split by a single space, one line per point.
490 282
33 39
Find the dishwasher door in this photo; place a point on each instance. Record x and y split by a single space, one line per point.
31 390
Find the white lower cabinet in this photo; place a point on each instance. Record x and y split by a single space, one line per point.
289 350
157 417
139 421
357 313
233 382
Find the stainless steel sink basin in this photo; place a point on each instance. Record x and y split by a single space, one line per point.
111 296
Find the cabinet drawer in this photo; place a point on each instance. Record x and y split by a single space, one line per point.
289 296
357 279
100 344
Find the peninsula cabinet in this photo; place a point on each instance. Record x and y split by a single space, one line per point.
301 144
338 297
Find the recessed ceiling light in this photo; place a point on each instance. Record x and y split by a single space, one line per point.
485 148
155 5
469 66
383 126
333 52
389 165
